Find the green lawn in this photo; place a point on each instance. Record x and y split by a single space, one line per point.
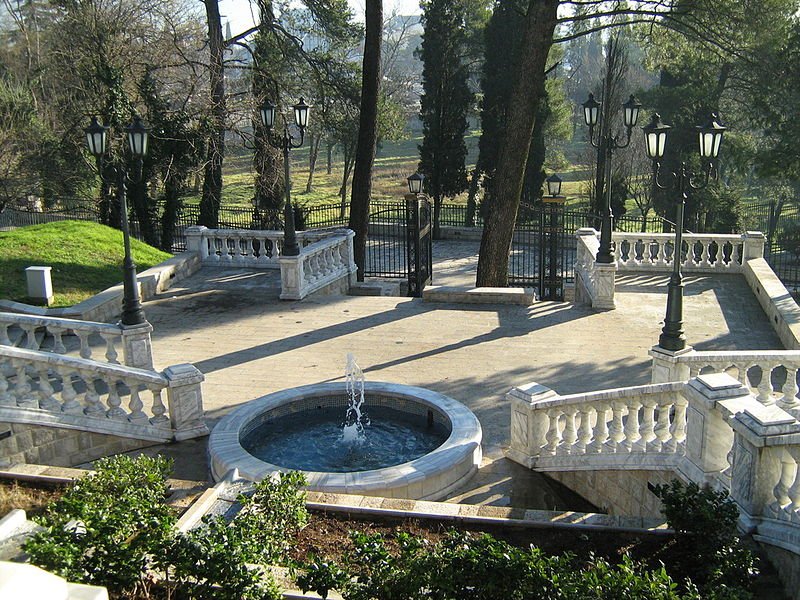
85 258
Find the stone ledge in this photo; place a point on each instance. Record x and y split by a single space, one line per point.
478 295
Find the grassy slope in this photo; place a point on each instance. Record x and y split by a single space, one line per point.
85 257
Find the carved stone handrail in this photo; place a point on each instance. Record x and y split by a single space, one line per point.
319 264
133 342
710 430
76 393
594 282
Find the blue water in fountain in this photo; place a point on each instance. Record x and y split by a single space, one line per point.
313 441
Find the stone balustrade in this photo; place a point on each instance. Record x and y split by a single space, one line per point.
594 282
46 388
321 263
771 375
48 333
711 430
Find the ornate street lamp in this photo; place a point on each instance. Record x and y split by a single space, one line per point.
554 185
415 183
683 181
286 142
96 140
608 143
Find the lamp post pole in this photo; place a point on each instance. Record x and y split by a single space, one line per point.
96 137
608 143
286 142
683 181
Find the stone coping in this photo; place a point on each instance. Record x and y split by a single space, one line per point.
108 303
431 476
478 295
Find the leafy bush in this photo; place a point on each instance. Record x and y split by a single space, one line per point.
113 528
478 567
789 237
705 528
104 528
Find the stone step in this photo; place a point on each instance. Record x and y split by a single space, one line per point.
479 295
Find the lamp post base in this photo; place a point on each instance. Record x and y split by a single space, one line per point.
672 336
132 311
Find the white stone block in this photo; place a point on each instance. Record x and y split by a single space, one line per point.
40 286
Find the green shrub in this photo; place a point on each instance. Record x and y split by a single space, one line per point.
710 554
462 565
105 527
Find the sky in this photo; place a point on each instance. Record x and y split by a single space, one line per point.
240 15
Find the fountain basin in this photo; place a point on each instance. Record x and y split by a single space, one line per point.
430 477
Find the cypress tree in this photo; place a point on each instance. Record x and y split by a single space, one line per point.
445 101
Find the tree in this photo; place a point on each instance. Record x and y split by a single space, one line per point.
367 132
444 103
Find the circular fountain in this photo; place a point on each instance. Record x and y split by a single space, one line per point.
429 443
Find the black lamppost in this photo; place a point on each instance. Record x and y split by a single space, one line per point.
415 183
608 143
96 139
683 181
554 186
286 142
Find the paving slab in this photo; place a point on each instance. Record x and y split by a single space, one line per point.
230 324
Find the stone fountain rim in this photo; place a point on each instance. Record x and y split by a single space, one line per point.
225 450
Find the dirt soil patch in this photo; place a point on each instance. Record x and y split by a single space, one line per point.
33 498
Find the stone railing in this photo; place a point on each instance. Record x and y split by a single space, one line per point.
45 388
50 334
320 264
710 430
594 282
770 375
703 253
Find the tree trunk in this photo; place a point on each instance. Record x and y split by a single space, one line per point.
330 158
212 185
348 164
469 219
526 96
367 132
313 152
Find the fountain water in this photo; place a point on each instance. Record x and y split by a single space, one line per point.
354 420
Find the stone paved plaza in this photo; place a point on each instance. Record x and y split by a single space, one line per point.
232 326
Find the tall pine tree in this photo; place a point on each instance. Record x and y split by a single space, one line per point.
445 101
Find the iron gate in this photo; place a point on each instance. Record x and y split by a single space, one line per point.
419 240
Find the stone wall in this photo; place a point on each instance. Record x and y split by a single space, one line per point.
618 492
788 566
39 444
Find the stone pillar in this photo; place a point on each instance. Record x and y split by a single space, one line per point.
666 366
291 277
40 285
760 433
185 399
528 425
194 240
753 245
350 257
137 349
713 398
605 280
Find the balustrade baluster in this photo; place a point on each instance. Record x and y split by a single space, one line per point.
661 254
781 490
570 433
678 428
93 407
584 430
4 339
553 436
70 404
276 248
661 429
114 401
789 402
86 349
765 385
616 432
58 342
794 490
31 343
159 418
111 351
46 399
214 246
632 426
135 405
694 370
600 429
741 374
226 248
22 387
6 398
646 428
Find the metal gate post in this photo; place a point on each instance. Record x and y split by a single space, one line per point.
551 251
419 241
